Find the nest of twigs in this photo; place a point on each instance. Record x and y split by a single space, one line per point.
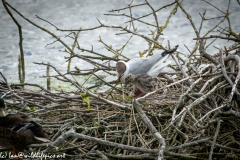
194 114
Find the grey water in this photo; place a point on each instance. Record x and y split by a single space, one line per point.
74 14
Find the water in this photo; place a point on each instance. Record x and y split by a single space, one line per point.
73 14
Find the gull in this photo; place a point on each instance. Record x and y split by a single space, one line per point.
141 72
151 65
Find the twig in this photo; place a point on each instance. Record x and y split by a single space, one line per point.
214 139
22 61
72 133
147 121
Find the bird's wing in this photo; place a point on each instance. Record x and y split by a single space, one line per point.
10 138
143 65
159 66
138 65
22 127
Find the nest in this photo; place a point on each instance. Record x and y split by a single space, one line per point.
189 117
194 114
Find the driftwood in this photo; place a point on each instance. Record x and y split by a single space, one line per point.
195 114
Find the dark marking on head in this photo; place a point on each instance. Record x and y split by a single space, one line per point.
121 67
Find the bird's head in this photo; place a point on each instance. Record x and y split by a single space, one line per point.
2 108
121 69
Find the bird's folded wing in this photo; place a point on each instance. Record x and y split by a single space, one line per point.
138 65
158 67
143 65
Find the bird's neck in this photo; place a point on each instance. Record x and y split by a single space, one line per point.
2 113
125 73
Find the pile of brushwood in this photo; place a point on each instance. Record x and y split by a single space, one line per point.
195 112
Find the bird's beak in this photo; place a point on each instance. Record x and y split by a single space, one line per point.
119 78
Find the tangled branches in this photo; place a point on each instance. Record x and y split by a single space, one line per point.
193 114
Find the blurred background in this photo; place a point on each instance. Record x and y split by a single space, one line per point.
73 14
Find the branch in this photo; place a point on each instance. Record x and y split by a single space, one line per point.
150 126
72 133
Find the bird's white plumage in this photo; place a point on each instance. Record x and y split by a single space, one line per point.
159 66
151 65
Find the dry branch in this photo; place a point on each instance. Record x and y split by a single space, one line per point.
180 120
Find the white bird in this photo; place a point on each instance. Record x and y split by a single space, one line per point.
151 65
143 82
141 72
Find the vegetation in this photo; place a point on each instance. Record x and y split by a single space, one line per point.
194 114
